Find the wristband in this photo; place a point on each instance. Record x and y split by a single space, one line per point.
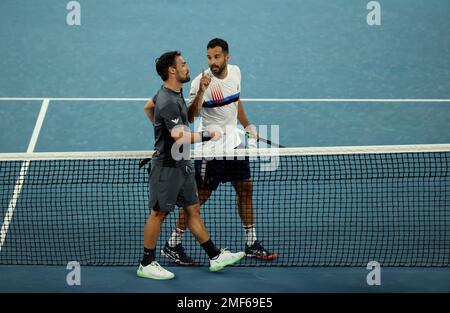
206 135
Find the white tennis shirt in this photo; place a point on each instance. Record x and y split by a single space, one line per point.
220 108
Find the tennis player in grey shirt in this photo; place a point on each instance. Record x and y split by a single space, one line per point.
172 179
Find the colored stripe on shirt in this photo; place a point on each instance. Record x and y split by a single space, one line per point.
221 102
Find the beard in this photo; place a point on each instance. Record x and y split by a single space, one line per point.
185 79
217 70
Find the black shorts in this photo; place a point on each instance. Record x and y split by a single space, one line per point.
210 173
172 186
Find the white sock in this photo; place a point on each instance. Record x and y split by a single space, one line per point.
250 234
176 237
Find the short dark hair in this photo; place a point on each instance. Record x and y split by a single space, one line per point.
218 42
165 61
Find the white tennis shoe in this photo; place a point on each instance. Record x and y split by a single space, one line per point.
225 258
154 271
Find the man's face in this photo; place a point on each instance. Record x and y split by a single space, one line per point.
182 70
217 60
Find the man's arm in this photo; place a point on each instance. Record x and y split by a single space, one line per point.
243 119
183 136
180 132
196 105
149 109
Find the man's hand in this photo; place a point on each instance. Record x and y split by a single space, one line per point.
215 135
204 82
196 104
252 136
253 132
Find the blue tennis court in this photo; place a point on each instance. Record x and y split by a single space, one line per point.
315 69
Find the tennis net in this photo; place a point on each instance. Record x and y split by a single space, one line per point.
342 206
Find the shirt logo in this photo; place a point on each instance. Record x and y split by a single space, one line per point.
175 120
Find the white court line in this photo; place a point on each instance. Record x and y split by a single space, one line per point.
23 172
270 100
37 127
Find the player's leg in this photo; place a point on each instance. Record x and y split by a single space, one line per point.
173 249
149 267
152 228
238 172
244 192
203 195
218 258
161 203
